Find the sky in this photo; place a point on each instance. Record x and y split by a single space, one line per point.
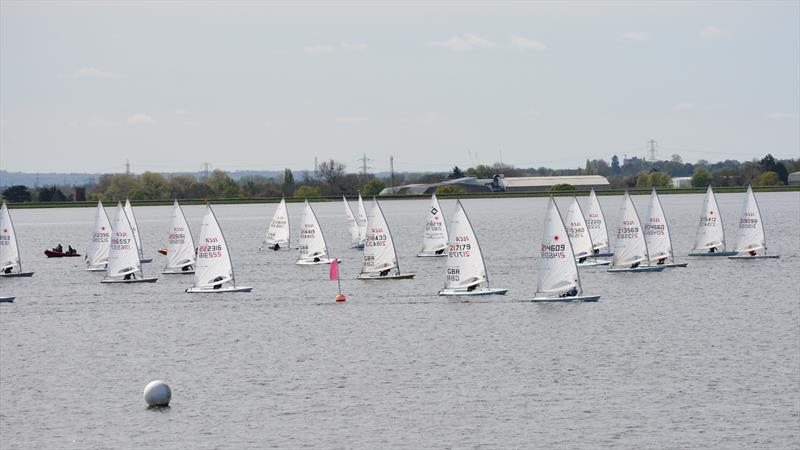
85 86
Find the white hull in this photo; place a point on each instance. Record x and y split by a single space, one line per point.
211 290
638 269
668 265
431 254
401 276
123 281
178 272
722 253
359 246
146 260
8 299
465 292
577 298
740 257
603 254
597 262
16 274
307 262
96 269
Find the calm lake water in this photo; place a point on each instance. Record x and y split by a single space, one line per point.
706 356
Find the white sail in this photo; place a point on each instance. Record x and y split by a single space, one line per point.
630 247
123 258
213 267
180 247
434 240
596 222
362 221
710 232
278 231
750 230
352 225
379 252
9 249
465 265
578 231
312 242
557 270
656 231
100 239
134 226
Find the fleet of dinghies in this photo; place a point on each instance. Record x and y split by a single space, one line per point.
567 245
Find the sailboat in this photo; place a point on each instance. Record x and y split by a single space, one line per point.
136 235
630 246
656 234
180 247
466 269
99 241
362 220
214 269
10 264
353 226
277 235
710 237
312 243
380 256
557 272
7 298
750 231
580 238
124 262
596 223
434 240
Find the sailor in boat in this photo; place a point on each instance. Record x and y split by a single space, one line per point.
130 276
472 287
635 265
439 252
59 248
383 273
218 285
751 252
661 261
712 250
572 292
70 250
275 247
7 269
186 268
583 258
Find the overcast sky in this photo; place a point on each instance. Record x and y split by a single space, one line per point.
85 86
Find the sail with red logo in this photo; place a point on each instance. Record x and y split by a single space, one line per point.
710 237
580 237
10 264
380 257
656 234
751 243
434 240
181 249
99 241
630 247
124 264
277 235
313 249
214 269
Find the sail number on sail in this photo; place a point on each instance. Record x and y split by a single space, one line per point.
575 230
376 240
654 227
554 251
178 236
120 241
210 249
100 237
308 231
708 221
748 221
460 248
593 222
628 232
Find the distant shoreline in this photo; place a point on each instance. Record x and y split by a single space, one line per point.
579 193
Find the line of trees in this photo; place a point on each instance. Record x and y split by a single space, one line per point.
331 178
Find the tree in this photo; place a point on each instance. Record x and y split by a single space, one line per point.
450 189
50 194
373 187
676 158
615 169
768 179
701 177
288 182
17 194
642 179
306 191
456 173
562 187
768 164
659 179
222 185
330 170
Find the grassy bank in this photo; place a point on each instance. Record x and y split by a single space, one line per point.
227 201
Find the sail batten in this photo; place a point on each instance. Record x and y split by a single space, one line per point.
557 270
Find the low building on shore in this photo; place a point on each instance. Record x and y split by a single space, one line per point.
794 179
501 183
681 182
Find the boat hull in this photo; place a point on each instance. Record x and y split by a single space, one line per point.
726 253
95 269
601 262
16 274
222 290
137 280
603 255
54 254
304 262
638 269
178 272
7 299
576 299
401 276
741 257
465 293
431 255
668 265
146 260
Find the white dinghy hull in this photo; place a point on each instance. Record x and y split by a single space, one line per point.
222 290
723 253
17 274
137 280
638 269
95 269
146 260
603 255
399 276
311 262
431 254
576 299
600 262
7 299
668 265
741 257
178 272
463 292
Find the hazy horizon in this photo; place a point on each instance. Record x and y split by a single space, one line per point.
262 86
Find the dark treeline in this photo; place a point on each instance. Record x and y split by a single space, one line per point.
332 179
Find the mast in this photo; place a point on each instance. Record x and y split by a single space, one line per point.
719 214
16 241
749 188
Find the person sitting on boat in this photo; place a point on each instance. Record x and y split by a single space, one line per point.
186 268
472 287
59 248
712 250
218 285
635 265
572 292
130 276
661 261
582 259
439 252
7 269
276 246
70 250
383 273
751 252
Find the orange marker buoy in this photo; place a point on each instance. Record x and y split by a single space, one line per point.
341 298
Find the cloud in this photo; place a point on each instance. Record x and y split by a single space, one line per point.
636 36
711 32
463 43
140 119
91 72
783 116
523 44
351 119
354 46
683 106
322 49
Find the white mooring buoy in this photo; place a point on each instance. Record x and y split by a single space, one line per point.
157 393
